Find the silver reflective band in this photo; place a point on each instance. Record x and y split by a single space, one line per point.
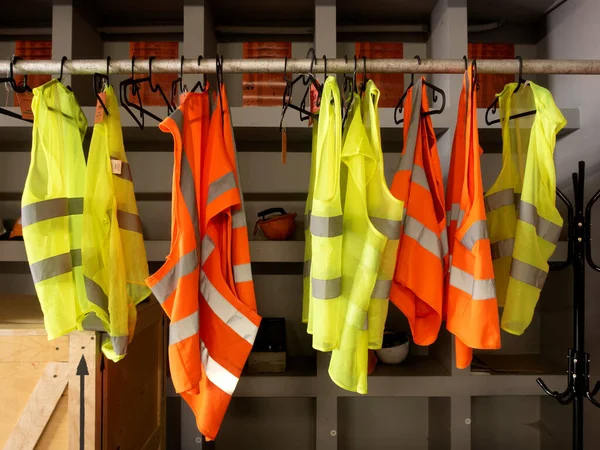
188 191
129 221
119 344
216 373
95 293
444 240
177 117
220 186
226 311
528 274
477 289
125 170
207 248
306 271
455 213
168 284
500 199
477 231
242 273
382 289
502 249
544 228
424 236
50 209
92 322
238 218
326 289
419 177
326 226
389 228
55 266
184 328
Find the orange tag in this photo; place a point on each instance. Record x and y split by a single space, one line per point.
314 102
25 99
117 165
99 117
283 146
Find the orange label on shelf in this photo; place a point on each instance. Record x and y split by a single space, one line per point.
264 89
24 101
490 84
390 85
33 50
99 116
160 50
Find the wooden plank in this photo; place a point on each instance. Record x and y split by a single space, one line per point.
34 348
39 408
84 345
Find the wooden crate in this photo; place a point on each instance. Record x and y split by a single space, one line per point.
40 384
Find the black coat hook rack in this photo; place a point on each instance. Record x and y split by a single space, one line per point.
579 252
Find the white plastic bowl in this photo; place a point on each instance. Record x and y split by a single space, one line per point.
393 355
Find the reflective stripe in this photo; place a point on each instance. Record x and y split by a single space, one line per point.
455 213
499 199
444 240
502 248
185 328
419 177
188 191
307 221
167 285
382 289
528 274
129 221
220 186
424 236
95 293
388 227
477 289
55 266
177 117
544 228
326 226
226 311
120 344
306 271
216 373
477 231
50 209
242 273
207 248
238 218
92 322
125 170
408 157
326 289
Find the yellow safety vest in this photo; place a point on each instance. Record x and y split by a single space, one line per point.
52 207
523 221
385 212
362 250
307 235
114 259
325 223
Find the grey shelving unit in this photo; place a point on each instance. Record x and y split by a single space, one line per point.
424 403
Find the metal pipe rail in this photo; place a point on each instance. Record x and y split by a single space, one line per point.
339 65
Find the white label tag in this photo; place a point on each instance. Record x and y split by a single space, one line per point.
116 166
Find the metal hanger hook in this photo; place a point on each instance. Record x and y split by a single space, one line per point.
152 58
412 75
62 66
181 67
107 65
466 60
325 63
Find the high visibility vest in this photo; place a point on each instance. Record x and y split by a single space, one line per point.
523 220
385 213
205 286
418 288
115 266
362 249
307 235
326 224
471 306
52 208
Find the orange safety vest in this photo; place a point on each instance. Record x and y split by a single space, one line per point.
471 306
418 286
206 286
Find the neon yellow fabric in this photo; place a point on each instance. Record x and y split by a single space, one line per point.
326 223
523 221
307 235
52 206
385 212
114 257
362 249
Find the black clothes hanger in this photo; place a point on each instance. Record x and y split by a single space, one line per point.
178 85
101 82
199 85
494 106
436 90
62 66
363 86
219 73
19 89
350 85
287 95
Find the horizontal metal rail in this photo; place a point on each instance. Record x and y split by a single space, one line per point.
339 65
